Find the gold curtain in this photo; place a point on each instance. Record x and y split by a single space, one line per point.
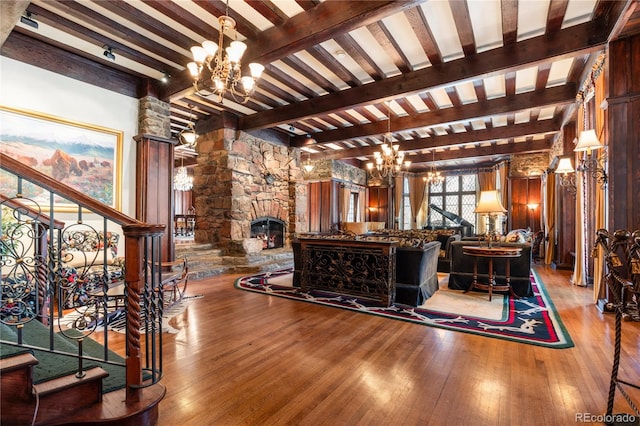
398 191
549 189
361 205
579 276
486 182
503 173
601 195
345 193
417 187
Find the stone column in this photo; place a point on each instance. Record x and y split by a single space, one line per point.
154 117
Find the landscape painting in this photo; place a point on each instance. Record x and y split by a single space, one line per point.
83 156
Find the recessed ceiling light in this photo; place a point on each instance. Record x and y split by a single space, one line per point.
340 54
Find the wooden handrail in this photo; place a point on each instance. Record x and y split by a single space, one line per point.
134 231
30 212
72 194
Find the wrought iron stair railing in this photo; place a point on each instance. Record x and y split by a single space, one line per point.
36 251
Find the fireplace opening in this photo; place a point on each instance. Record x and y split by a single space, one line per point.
270 230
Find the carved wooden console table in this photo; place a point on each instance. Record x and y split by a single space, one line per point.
360 268
492 253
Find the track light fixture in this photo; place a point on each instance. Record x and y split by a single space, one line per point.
165 77
108 52
27 19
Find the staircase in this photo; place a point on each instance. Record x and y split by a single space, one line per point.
39 379
37 281
204 260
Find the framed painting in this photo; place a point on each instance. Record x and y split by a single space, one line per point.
83 156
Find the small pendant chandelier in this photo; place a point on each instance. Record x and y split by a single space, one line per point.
434 176
182 181
390 160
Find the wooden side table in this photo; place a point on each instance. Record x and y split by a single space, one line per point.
492 253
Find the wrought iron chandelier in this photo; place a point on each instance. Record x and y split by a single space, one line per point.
389 161
216 70
434 176
182 181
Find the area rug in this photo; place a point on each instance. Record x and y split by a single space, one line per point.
116 320
530 320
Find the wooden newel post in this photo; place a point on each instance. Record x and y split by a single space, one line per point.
134 277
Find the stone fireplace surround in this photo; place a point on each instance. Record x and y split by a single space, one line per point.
231 190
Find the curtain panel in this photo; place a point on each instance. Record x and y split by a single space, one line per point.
417 187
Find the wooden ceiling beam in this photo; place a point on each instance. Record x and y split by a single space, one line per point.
483 151
454 139
583 38
560 95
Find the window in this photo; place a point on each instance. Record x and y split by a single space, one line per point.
353 207
406 205
457 194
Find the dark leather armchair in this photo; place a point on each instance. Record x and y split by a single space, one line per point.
416 273
444 259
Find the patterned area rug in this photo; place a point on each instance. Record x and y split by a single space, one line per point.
116 320
531 320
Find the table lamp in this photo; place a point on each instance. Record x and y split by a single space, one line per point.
490 205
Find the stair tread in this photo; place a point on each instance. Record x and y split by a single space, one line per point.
65 382
17 362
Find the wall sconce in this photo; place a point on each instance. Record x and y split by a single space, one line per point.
565 172
588 142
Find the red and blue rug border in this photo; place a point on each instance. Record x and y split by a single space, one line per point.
530 320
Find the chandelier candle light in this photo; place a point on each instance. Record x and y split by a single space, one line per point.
434 176
390 160
225 69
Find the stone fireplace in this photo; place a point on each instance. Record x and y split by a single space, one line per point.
249 193
270 231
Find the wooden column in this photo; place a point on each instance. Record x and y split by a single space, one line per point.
623 125
154 186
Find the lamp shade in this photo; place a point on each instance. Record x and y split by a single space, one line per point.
565 166
489 203
588 141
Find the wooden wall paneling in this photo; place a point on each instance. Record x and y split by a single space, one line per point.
154 186
314 207
623 125
565 214
326 207
323 205
518 205
378 206
524 191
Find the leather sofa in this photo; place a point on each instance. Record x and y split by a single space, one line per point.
416 273
461 274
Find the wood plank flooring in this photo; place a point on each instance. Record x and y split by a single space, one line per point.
242 358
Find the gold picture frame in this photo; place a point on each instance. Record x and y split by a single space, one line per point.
84 156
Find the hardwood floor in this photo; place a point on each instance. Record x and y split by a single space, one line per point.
250 359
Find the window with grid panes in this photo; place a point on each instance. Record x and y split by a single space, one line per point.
456 194
353 207
406 205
